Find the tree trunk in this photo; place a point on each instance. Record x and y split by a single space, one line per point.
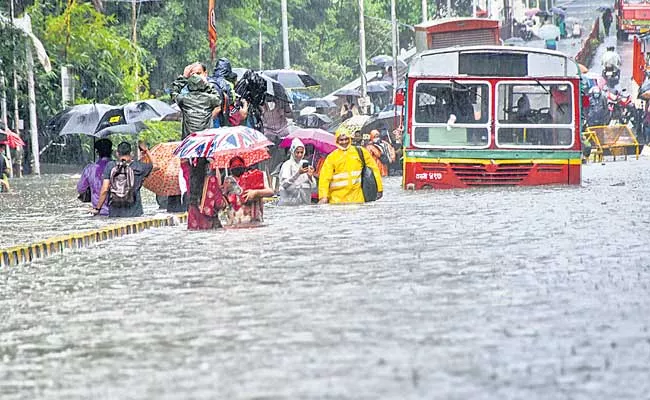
99 5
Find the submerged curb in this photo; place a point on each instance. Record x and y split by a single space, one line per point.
20 254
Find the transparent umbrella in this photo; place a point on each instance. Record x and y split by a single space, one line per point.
549 32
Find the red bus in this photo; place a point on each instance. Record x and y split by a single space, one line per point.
491 115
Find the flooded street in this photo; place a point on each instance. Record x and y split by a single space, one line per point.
537 293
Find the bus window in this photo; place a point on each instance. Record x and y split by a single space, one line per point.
534 114
451 114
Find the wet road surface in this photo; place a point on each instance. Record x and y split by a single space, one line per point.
537 293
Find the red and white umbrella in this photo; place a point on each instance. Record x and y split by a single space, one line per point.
222 144
13 140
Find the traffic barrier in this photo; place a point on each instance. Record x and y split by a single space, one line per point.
20 254
589 45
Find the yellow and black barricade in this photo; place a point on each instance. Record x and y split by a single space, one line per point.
26 253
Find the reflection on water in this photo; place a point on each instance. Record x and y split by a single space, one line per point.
459 294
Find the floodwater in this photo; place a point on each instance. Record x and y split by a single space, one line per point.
526 293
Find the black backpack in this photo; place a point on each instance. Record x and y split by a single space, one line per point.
122 186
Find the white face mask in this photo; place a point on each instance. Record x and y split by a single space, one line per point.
271 105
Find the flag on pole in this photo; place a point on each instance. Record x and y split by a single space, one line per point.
212 29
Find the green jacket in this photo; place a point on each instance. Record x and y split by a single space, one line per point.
196 104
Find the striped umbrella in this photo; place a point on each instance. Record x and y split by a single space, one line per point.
222 144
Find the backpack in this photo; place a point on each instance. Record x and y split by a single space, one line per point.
122 182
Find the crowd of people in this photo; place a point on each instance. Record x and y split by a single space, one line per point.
233 196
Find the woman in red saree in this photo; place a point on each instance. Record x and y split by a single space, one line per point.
206 198
246 206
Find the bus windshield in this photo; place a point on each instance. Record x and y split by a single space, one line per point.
451 114
534 114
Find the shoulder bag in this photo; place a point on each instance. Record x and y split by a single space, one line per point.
368 181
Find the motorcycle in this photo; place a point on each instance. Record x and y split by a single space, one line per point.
611 75
598 113
525 29
626 109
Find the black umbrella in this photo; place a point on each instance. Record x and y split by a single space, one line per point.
347 92
379 87
319 103
80 119
114 121
313 120
292 79
275 89
144 110
386 61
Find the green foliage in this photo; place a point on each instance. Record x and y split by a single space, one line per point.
103 60
161 132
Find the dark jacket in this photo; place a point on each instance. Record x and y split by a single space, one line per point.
223 74
196 105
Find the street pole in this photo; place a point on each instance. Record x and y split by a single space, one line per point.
259 22
474 8
19 149
448 8
285 35
393 20
3 107
31 93
362 55
425 16
134 36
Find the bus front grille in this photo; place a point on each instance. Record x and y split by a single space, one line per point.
491 174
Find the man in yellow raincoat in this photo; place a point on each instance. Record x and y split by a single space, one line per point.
340 176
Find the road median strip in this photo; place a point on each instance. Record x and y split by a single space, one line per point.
26 253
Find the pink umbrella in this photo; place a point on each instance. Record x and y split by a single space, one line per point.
322 140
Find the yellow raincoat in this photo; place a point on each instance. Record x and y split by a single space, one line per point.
340 176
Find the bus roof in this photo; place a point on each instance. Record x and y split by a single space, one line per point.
457 24
495 61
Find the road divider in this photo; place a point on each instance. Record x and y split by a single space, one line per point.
21 254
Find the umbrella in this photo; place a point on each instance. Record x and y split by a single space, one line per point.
347 92
386 61
379 87
164 180
313 120
319 103
605 8
143 110
308 110
292 79
80 119
274 88
549 32
383 120
114 121
11 139
353 124
222 144
322 141
558 11
531 12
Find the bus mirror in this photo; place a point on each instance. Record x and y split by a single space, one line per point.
399 98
